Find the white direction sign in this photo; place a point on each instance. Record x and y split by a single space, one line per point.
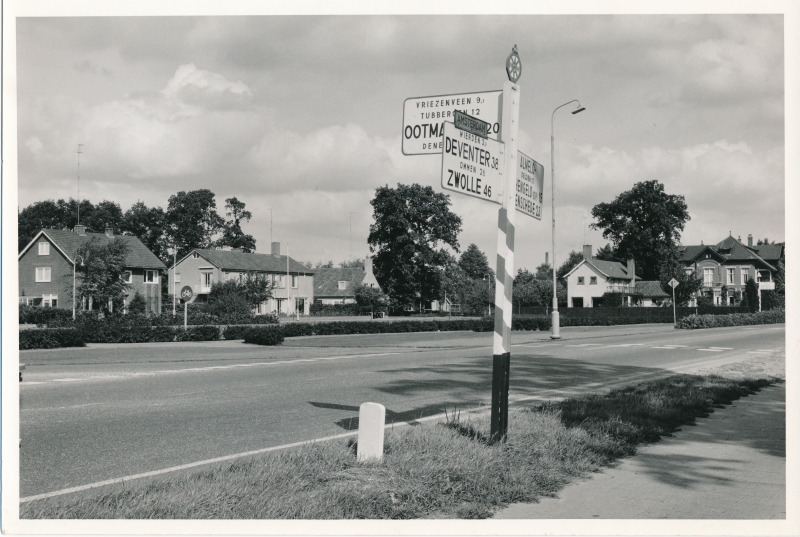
424 117
471 165
530 181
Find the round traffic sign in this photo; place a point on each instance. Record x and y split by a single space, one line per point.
513 66
186 293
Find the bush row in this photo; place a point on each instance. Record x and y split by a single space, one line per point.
264 335
40 315
50 338
334 310
645 314
736 319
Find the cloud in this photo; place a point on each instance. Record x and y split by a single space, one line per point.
88 66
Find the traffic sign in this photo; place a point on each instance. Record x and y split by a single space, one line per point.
186 293
471 124
673 283
472 165
530 181
424 118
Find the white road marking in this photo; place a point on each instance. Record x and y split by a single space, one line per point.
628 345
722 348
66 380
670 347
710 350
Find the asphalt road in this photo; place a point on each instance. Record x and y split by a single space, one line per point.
111 411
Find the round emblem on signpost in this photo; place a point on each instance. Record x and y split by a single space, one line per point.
514 66
186 293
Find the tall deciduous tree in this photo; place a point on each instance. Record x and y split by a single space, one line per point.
572 260
688 282
148 225
410 223
607 253
544 272
192 220
475 264
643 223
100 279
232 234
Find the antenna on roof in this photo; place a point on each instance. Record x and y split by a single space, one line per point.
79 182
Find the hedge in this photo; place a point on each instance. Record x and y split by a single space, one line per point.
264 335
692 322
334 310
50 338
40 315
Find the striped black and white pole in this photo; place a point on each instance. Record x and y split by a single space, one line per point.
501 359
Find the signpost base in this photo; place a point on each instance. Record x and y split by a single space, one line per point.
555 332
501 366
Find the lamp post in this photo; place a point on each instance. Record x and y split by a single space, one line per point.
75 262
555 331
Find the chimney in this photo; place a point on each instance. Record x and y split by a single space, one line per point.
587 251
367 265
632 270
276 248
750 239
80 229
109 232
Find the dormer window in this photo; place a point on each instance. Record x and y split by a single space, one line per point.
342 285
195 255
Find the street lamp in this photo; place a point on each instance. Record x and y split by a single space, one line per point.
555 332
75 262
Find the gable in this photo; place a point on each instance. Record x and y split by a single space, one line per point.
326 281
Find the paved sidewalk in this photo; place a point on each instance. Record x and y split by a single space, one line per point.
731 465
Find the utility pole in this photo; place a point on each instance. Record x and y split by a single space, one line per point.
79 182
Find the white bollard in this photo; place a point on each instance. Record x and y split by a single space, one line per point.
371 419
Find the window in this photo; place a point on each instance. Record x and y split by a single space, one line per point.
206 278
42 274
150 276
127 276
295 279
195 255
177 277
708 277
580 280
278 280
44 248
50 301
731 275
745 275
342 285
730 301
763 276
593 280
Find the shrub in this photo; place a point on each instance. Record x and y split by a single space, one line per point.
691 322
50 338
39 315
333 310
264 335
198 333
235 331
138 304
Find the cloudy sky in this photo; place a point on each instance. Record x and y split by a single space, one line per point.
303 115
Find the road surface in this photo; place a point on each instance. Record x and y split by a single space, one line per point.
111 411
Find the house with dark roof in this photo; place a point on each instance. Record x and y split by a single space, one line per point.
293 283
46 267
590 279
338 285
726 266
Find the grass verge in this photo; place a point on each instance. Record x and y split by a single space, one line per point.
447 470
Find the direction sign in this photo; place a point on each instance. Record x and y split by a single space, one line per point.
673 283
424 117
471 165
186 293
530 181
471 124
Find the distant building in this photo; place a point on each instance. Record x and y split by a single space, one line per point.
293 282
590 279
46 268
338 285
728 265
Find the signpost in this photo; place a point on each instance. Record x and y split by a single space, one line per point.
424 117
674 283
186 296
471 165
530 180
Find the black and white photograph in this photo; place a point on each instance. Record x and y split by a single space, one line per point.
432 269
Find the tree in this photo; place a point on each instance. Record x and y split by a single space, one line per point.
479 296
410 222
138 304
148 225
475 264
606 253
572 260
227 300
544 272
257 288
232 234
643 223
688 282
451 281
37 216
370 297
101 279
353 263
751 292
192 220
321 264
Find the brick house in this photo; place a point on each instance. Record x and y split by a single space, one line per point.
200 269
338 285
590 279
46 268
727 265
